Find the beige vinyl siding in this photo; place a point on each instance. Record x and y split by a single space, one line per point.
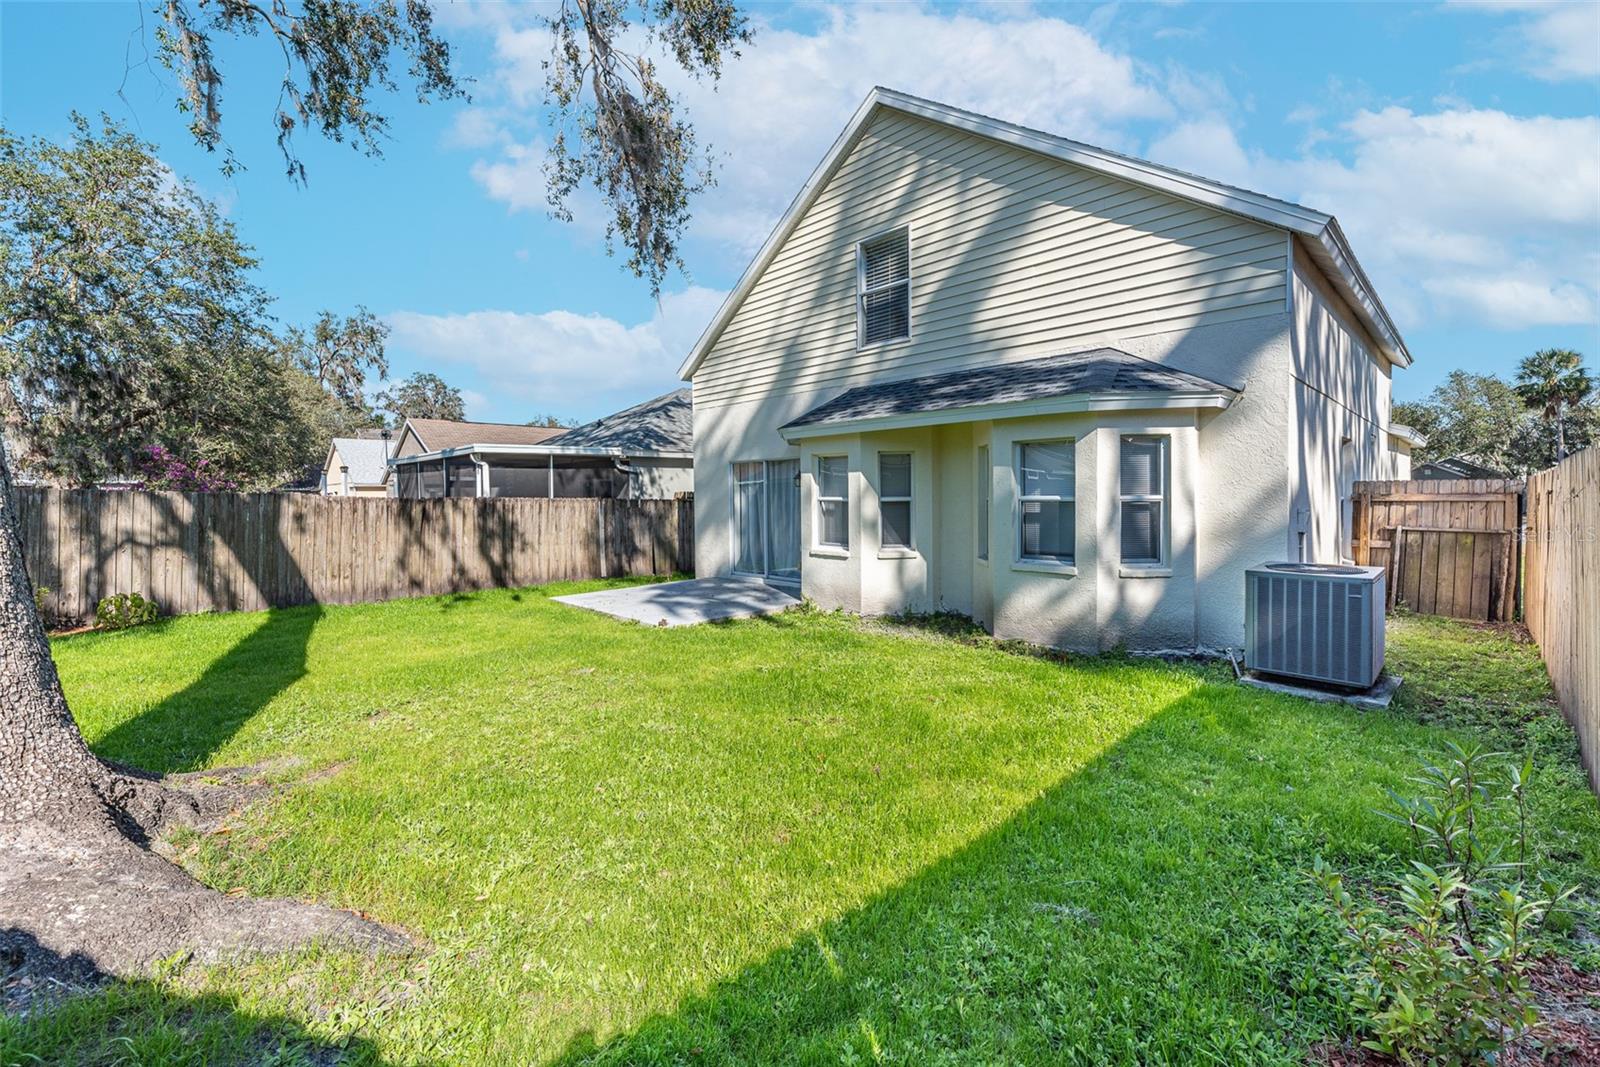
1012 254
410 444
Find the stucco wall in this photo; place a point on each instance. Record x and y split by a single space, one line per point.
1237 478
1341 417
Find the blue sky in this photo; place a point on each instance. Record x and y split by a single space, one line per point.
1459 144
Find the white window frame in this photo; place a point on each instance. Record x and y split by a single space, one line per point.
862 292
985 496
817 526
1163 498
1065 564
910 547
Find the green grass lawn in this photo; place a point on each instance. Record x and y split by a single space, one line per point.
806 839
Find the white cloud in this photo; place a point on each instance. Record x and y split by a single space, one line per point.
1463 215
557 360
778 108
1561 39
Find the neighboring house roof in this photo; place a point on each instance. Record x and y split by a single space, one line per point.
1098 378
1324 239
663 424
1456 467
367 460
437 434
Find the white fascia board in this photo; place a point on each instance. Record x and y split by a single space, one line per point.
1348 276
791 217
475 451
1055 405
1316 225
1410 436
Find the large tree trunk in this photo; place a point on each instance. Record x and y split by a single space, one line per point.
80 887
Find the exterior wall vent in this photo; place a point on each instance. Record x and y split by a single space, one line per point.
1315 621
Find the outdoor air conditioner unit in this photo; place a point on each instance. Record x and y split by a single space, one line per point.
1315 621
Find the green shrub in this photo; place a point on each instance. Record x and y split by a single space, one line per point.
122 610
1439 975
39 593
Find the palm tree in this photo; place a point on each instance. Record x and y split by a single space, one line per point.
1553 380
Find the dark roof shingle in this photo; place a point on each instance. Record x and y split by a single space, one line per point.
1100 370
663 424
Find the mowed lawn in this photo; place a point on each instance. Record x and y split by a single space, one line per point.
806 839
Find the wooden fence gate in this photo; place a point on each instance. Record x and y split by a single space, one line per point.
1449 547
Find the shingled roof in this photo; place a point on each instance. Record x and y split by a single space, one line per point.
663 424
1098 371
437 434
367 459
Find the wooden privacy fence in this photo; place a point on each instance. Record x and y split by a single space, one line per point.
1562 598
1450 547
195 552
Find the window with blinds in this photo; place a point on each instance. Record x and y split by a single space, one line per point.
894 498
883 288
833 502
1143 499
1047 513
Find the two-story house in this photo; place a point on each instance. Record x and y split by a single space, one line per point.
1070 393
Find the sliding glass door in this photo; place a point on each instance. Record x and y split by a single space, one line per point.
766 518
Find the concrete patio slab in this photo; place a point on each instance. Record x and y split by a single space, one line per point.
686 603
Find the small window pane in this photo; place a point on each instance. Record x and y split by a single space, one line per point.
835 516
1047 529
894 474
886 314
1141 532
833 476
985 482
1047 469
1141 466
896 523
886 259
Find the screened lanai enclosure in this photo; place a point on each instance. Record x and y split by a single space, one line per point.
496 476
645 452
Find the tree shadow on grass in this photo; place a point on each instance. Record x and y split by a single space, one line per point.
186 729
56 1009
1150 908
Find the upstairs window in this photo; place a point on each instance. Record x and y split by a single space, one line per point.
1143 498
1047 518
883 288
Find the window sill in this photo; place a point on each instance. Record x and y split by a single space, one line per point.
981 561
897 553
1044 566
1149 570
829 552
873 346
